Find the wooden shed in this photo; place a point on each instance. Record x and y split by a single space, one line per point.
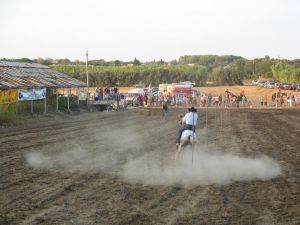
32 76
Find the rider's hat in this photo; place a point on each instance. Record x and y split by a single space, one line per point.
192 109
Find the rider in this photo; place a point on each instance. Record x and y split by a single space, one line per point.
189 123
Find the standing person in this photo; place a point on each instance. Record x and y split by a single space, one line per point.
96 97
242 92
262 100
243 100
265 100
290 100
101 93
152 101
297 100
220 100
237 99
146 99
134 101
189 123
165 110
118 101
142 100
225 101
216 100
293 100
209 100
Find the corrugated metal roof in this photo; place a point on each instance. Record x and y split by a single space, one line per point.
33 76
23 65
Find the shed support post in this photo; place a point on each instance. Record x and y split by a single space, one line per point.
78 96
118 102
17 106
56 100
45 103
31 106
68 100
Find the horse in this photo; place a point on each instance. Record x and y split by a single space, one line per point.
275 95
188 139
278 95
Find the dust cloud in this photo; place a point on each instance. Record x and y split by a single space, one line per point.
204 169
127 157
102 153
150 169
71 158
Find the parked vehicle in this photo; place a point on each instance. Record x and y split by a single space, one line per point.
254 82
260 83
286 86
278 86
270 84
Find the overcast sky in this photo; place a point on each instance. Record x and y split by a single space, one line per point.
149 29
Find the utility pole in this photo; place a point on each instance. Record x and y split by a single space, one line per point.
253 71
87 77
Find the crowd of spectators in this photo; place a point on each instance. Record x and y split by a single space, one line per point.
102 93
227 99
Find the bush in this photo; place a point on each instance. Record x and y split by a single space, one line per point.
7 113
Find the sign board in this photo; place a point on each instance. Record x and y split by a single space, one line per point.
8 96
82 96
31 94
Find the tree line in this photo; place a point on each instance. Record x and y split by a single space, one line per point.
200 69
129 75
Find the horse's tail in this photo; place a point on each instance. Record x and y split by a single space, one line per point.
189 138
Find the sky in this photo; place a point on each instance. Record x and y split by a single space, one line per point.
149 29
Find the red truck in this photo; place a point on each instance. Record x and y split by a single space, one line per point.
181 89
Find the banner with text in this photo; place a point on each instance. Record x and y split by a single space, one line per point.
31 94
82 96
8 96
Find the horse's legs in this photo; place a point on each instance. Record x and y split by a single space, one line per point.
177 154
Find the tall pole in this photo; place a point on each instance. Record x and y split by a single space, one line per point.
87 76
253 70
194 127
206 128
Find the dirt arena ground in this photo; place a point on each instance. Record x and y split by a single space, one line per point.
117 168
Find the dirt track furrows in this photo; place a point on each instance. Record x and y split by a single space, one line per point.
276 195
98 194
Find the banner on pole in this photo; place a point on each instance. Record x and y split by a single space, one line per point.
31 94
8 96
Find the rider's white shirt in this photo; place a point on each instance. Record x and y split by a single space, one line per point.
188 118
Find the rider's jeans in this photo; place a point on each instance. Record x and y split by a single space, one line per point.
183 128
